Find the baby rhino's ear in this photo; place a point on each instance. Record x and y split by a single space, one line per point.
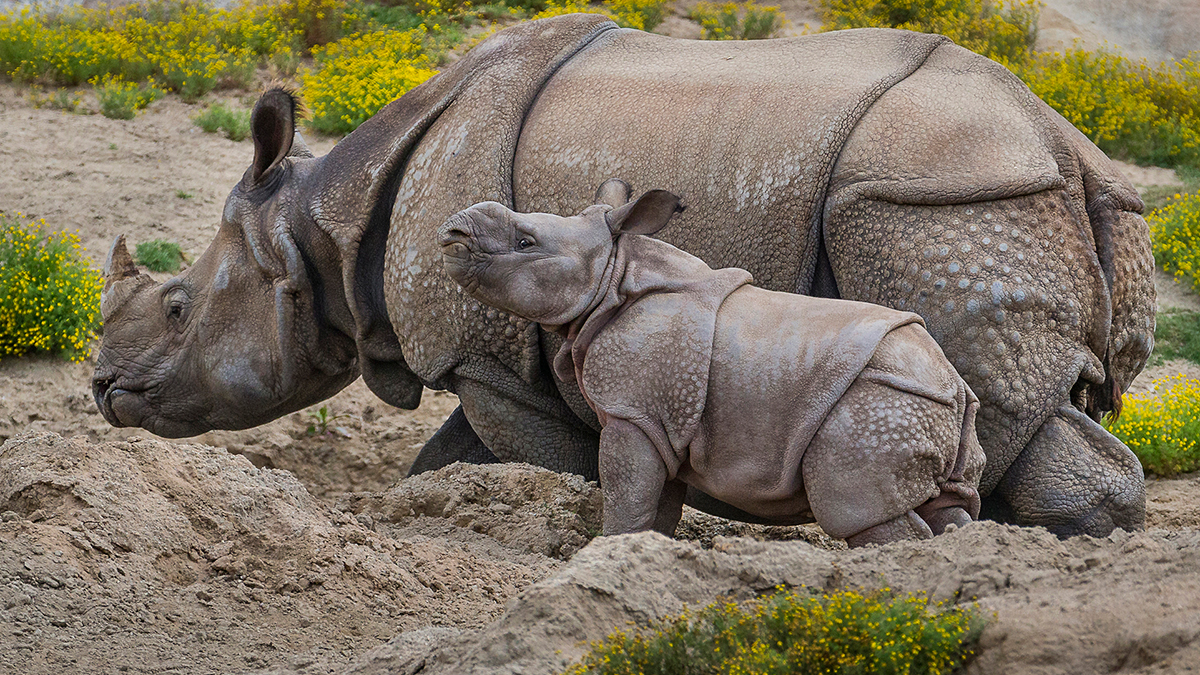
647 215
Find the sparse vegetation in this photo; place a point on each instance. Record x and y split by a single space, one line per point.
61 99
320 421
795 631
734 21
159 255
235 122
49 295
1162 427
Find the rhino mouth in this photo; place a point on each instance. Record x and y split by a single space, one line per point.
104 390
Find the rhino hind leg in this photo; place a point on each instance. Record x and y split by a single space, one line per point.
897 457
1013 291
454 442
1075 478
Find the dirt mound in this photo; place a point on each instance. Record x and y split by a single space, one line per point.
1127 602
145 556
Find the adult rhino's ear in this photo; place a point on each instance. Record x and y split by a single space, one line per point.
272 125
614 192
649 214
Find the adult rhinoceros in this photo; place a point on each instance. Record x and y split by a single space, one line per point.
877 165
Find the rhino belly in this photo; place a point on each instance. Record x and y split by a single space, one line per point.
746 132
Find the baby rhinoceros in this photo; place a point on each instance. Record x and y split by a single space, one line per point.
788 407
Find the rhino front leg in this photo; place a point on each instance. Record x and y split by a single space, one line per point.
1075 478
637 494
454 442
519 424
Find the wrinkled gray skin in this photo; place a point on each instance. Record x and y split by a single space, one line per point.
860 423
875 165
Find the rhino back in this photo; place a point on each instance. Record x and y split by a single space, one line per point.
746 132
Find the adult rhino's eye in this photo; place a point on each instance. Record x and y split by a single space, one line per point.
524 243
175 310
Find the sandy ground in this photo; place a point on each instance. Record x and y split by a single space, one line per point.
122 553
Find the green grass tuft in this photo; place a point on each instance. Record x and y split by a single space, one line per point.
234 122
793 631
159 255
1176 336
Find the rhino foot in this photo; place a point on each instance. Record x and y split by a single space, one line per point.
1075 478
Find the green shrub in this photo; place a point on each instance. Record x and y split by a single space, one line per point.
358 75
794 632
49 295
1177 336
159 255
1175 233
1004 30
733 21
218 117
1162 427
121 100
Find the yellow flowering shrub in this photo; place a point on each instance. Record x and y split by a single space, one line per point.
795 632
1129 109
1004 30
1162 427
190 47
738 21
637 14
121 100
358 75
49 295
1175 233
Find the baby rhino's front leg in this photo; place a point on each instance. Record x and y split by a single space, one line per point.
637 494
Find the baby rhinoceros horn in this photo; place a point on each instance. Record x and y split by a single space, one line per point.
121 278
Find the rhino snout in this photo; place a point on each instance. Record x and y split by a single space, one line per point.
454 236
104 388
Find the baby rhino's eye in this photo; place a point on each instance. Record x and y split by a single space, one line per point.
524 243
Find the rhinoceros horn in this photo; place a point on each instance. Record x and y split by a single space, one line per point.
118 270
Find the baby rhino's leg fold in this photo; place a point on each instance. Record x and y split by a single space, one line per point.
637 494
897 457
